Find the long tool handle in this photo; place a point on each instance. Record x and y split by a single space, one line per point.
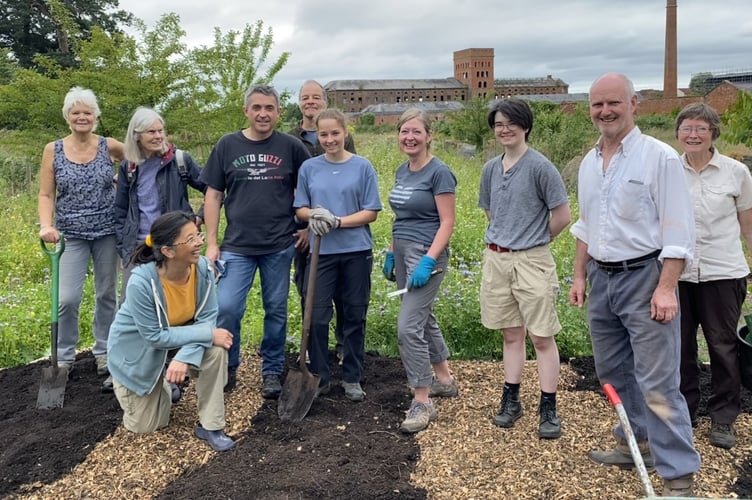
313 270
54 256
615 400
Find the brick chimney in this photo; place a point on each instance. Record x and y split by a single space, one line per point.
669 65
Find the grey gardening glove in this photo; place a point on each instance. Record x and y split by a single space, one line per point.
321 220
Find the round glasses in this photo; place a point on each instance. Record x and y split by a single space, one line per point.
194 239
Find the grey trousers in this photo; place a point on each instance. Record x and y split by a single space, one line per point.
419 337
74 265
640 358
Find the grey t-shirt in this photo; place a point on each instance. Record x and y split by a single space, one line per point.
413 203
520 200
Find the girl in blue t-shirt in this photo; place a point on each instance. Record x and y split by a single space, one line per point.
343 190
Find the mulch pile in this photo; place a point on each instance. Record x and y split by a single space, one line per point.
341 449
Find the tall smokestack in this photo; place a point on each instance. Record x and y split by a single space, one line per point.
669 64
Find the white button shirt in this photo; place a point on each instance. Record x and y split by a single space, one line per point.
721 190
638 205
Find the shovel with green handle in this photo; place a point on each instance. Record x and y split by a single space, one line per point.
52 388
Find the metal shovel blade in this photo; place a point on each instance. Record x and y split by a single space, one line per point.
297 395
301 385
52 388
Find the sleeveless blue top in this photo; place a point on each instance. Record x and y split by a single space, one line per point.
84 207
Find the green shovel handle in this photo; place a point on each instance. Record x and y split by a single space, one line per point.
54 255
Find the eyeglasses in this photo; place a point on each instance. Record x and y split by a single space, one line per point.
192 240
509 126
697 130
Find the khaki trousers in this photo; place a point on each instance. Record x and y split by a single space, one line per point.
148 413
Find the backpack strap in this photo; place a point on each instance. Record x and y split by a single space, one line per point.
180 158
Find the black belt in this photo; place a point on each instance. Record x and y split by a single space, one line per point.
628 265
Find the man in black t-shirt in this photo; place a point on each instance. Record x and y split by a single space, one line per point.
253 174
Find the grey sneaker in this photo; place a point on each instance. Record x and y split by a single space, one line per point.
439 390
271 387
101 362
550 423
682 486
722 435
510 410
353 392
621 457
419 416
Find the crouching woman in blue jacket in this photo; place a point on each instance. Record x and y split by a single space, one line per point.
170 308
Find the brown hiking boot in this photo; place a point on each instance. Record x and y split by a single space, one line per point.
621 457
679 487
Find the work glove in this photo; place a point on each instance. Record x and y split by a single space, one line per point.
321 220
422 272
388 268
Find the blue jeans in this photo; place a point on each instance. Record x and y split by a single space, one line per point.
74 265
232 298
640 358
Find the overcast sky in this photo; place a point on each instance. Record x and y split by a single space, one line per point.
575 40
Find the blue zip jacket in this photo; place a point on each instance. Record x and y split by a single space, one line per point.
141 336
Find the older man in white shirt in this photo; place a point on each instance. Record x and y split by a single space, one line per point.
634 237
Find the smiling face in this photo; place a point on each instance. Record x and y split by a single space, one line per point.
695 136
262 112
81 118
151 140
612 107
413 138
509 135
311 100
331 135
187 246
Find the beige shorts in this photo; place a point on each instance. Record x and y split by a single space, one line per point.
520 289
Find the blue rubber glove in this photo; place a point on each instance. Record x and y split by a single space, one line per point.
422 272
388 268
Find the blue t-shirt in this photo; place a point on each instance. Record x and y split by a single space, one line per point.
343 189
413 200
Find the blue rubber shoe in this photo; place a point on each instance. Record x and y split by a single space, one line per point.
218 440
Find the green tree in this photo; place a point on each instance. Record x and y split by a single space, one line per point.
471 124
32 27
219 77
738 119
698 82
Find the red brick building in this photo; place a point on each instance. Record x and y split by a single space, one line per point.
473 77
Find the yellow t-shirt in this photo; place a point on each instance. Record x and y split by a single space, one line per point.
181 299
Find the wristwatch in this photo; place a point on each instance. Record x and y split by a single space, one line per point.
339 221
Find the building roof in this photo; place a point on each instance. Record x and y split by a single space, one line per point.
401 107
396 84
528 82
555 98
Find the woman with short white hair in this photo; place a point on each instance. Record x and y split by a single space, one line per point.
76 201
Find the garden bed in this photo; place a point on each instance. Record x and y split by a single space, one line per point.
340 450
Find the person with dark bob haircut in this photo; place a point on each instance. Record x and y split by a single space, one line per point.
525 201
712 289
170 310
517 111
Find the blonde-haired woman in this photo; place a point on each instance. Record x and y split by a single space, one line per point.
76 199
423 202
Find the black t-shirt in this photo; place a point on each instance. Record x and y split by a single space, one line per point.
259 180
